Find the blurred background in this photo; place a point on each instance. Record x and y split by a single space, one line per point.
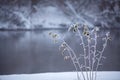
25 45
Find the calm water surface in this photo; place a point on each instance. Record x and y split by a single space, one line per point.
35 52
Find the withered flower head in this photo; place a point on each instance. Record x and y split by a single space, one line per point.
97 28
86 31
66 57
54 35
73 28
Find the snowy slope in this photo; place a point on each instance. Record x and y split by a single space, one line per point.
104 75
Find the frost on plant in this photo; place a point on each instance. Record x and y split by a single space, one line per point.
91 57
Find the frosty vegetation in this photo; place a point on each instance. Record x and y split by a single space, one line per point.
89 61
37 14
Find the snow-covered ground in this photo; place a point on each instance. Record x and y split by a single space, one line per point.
102 75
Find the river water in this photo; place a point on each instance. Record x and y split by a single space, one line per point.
36 52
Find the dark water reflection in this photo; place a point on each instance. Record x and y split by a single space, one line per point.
34 52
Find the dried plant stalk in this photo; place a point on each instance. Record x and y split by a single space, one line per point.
91 56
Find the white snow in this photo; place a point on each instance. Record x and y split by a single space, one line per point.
103 75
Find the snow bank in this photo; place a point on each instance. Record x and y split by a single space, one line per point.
104 75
